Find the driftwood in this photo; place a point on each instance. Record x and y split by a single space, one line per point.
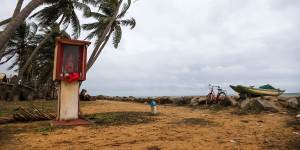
31 114
4 120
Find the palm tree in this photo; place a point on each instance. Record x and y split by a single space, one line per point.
20 45
58 9
42 66
109 21
20 16
23 43
63 10
17 21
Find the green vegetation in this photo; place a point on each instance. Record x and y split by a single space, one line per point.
118 118
198 121
1 114
45 129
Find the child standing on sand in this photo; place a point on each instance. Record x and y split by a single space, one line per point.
153 105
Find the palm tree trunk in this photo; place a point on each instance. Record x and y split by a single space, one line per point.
18 8
17 21
89 65
93 56
16 12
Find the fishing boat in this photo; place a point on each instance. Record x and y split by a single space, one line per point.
251 91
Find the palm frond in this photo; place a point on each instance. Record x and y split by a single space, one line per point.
128 22
82 6
48 15
75 25
91 26
124 9
117 36
92 2
95 33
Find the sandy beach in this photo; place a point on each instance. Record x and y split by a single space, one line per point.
124 125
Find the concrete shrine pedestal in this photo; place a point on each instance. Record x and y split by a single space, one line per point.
69 70
68 106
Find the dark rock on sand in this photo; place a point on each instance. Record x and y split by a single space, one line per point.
293 103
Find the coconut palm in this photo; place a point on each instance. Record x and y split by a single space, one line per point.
23 43
64 10
17 21
109 21
42 66
54 10
43 62
20 45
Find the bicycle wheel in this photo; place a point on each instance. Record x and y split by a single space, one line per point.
221 98
209 98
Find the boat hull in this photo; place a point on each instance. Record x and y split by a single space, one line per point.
256 91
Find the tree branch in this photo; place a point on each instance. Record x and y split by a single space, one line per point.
4 22
16 12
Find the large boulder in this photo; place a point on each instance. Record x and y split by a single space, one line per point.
258 104
178 100
165 100
283 98
293 103
270 98
187 99
268 105
251 106
232 101
194 101
202 100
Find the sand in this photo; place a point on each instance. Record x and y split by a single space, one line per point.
174 128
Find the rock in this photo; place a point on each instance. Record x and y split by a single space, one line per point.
268 105
177 100
202 100
232 101
251 106
270 98
282 98
187 99
298 116
235 97
293 102
100 97
258 104
165 100
194 101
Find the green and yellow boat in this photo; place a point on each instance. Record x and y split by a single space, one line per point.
251 91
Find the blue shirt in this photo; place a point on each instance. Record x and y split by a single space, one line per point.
152 103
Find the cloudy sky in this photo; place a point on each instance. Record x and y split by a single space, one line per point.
179 47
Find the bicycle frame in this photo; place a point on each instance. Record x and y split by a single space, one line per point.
212 97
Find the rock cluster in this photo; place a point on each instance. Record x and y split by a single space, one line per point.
257 104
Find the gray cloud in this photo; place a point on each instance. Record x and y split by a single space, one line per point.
179 47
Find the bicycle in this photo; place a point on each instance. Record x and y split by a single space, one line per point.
212 98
